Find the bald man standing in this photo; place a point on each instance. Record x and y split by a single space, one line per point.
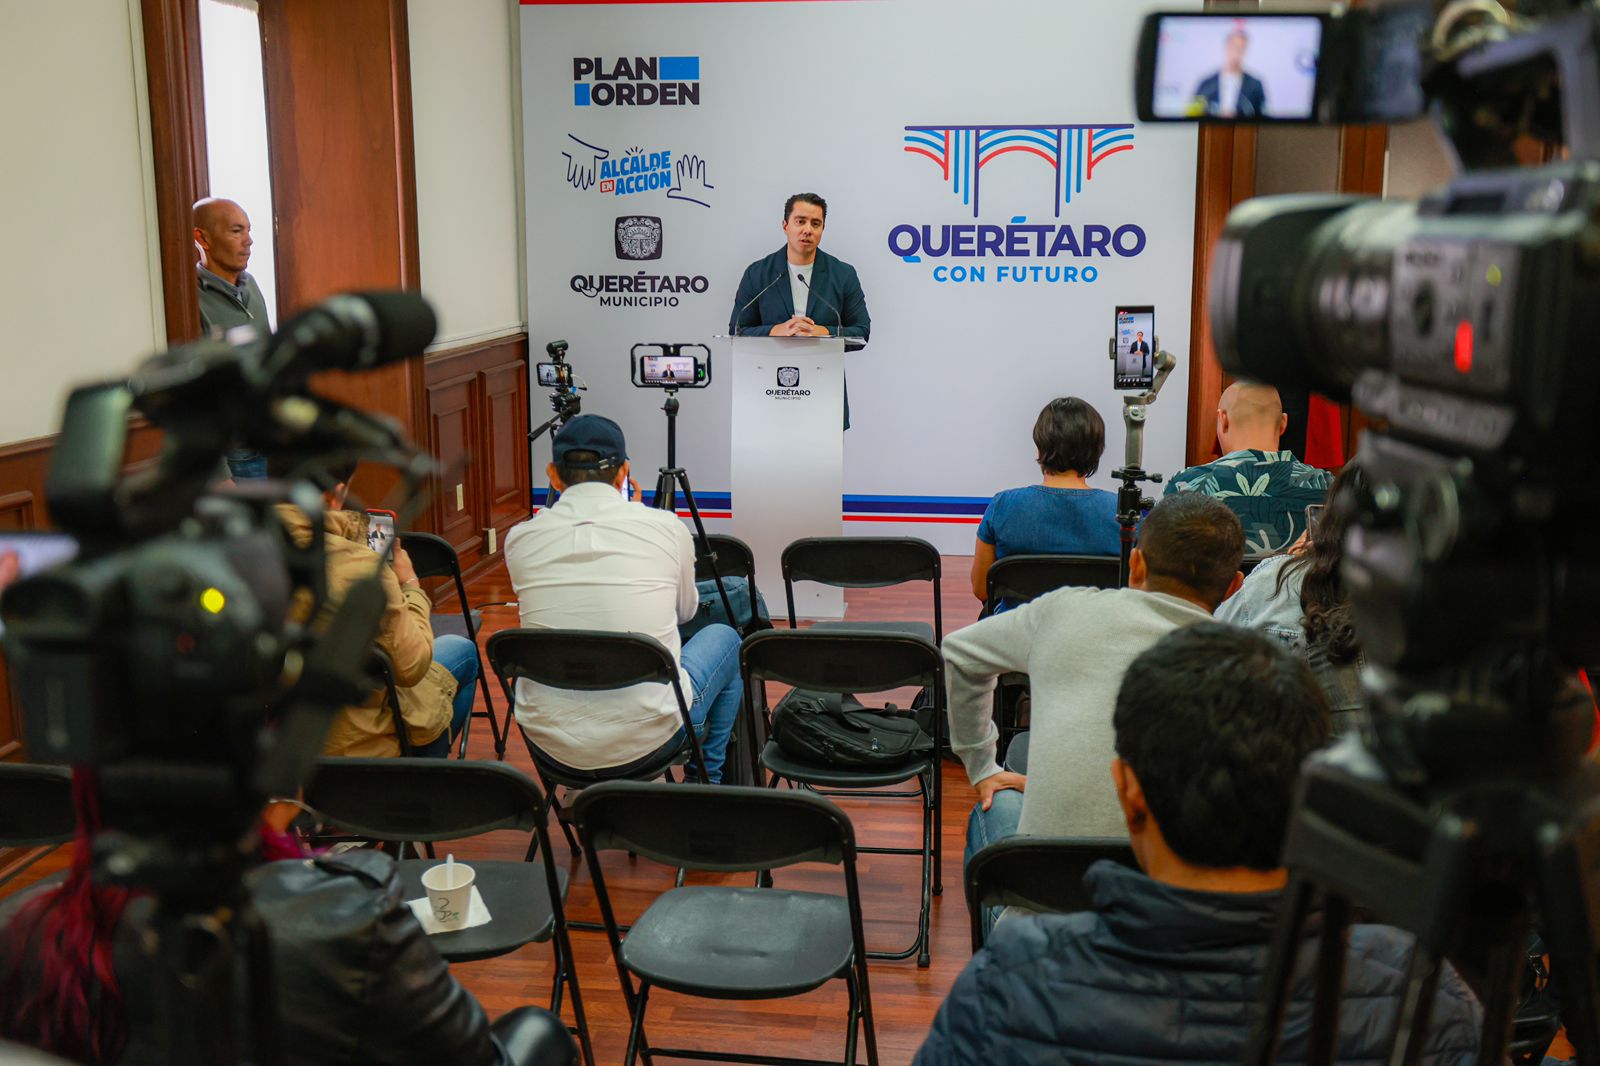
229 296
1267 488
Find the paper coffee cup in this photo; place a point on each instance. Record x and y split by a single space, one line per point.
449 888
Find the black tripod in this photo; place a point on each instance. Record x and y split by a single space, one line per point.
1131 500
1469 870
671 478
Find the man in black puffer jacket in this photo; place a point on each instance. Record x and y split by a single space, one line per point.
1212 723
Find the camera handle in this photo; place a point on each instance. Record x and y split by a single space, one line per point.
671 478
1131 500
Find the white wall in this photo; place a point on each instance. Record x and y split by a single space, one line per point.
80 295
462 94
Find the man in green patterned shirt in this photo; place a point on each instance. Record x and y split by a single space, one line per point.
1268 489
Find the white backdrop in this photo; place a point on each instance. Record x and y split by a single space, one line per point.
878 107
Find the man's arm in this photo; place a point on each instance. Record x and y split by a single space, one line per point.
853 308
974 658
405 634
747 321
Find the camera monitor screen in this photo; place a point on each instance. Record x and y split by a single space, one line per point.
1136 348
25 554
667 369
549 374
1233 67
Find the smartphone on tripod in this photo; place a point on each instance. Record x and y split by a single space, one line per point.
1135 337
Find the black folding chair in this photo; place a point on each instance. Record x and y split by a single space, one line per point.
1019 579
433 556
1039 873
733 559
429 800
590 661
865 563
723 942
381 668
831 661
36 809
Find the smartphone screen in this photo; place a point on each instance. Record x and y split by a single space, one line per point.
1232 65
23 554
549 374
1134 367
668 369
380 530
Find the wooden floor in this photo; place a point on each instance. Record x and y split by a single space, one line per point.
904 997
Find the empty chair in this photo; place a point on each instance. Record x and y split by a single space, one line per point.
856 662
865 563
590 661
433 556
724 942
1037 873
1017 579
430 800
734 559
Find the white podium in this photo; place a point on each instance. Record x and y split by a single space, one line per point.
788 457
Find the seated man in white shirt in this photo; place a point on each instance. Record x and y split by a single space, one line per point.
596 561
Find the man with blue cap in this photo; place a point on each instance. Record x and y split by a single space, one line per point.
594 560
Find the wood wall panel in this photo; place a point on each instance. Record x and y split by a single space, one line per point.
451 422
505 467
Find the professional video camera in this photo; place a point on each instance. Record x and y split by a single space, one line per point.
164 657
1457 323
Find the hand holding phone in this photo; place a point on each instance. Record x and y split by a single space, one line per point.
381 526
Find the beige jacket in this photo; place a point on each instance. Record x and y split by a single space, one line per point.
426 688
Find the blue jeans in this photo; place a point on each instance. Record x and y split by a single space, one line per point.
460 656
984 827
711 659
246 464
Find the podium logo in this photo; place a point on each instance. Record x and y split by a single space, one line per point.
788 377
643 81
638 237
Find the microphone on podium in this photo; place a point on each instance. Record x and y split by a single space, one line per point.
733 326
837 314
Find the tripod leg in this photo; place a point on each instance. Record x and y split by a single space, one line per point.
666 492
1416 1008
705 546
1330 981
1263 1047
1504 975
1569 926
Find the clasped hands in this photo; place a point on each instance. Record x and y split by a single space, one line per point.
799 326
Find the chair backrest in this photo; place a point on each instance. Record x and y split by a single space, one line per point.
1020 578
423 799
580 659
381 668
1250 562
431 556
834 661
1039 873
714 827
861 562
734 559
36 805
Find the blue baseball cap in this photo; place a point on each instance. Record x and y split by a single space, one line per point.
592 433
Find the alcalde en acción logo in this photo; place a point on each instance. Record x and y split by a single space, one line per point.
643 81
636 170
1072 154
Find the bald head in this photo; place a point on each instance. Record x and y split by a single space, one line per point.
1250 416
222 237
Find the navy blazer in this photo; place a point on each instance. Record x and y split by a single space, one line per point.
836 300
1252 96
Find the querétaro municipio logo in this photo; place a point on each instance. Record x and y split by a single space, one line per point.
788 377
638 237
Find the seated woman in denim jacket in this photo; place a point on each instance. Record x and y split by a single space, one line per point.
1299 599
1062 515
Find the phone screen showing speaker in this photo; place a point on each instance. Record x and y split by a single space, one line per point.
26 554
380 530
1136 348
667 369
1245 67
549 375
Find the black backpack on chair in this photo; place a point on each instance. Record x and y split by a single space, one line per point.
827 729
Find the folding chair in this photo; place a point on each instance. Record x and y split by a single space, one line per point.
1017 579
433 556
722 942
856 662
1039 873
36 810
865 563
734 559
382 670
590 661
429 800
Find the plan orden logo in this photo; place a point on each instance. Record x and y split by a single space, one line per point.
788 377
1072 154
638 237
640 81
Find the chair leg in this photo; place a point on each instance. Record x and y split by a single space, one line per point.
852 1032
568 972
936 801
867 1022
636 1032
561 819
923 958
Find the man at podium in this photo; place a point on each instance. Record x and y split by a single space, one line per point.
822 297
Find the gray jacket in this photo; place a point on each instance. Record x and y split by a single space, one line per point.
224 306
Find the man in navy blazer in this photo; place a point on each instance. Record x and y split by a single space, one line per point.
799 275
1230 92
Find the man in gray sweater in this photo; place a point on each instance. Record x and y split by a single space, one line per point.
1075 645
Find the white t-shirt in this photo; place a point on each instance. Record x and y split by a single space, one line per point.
1228 86
596 561
798 289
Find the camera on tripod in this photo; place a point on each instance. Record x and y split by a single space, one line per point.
670 366
556 375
